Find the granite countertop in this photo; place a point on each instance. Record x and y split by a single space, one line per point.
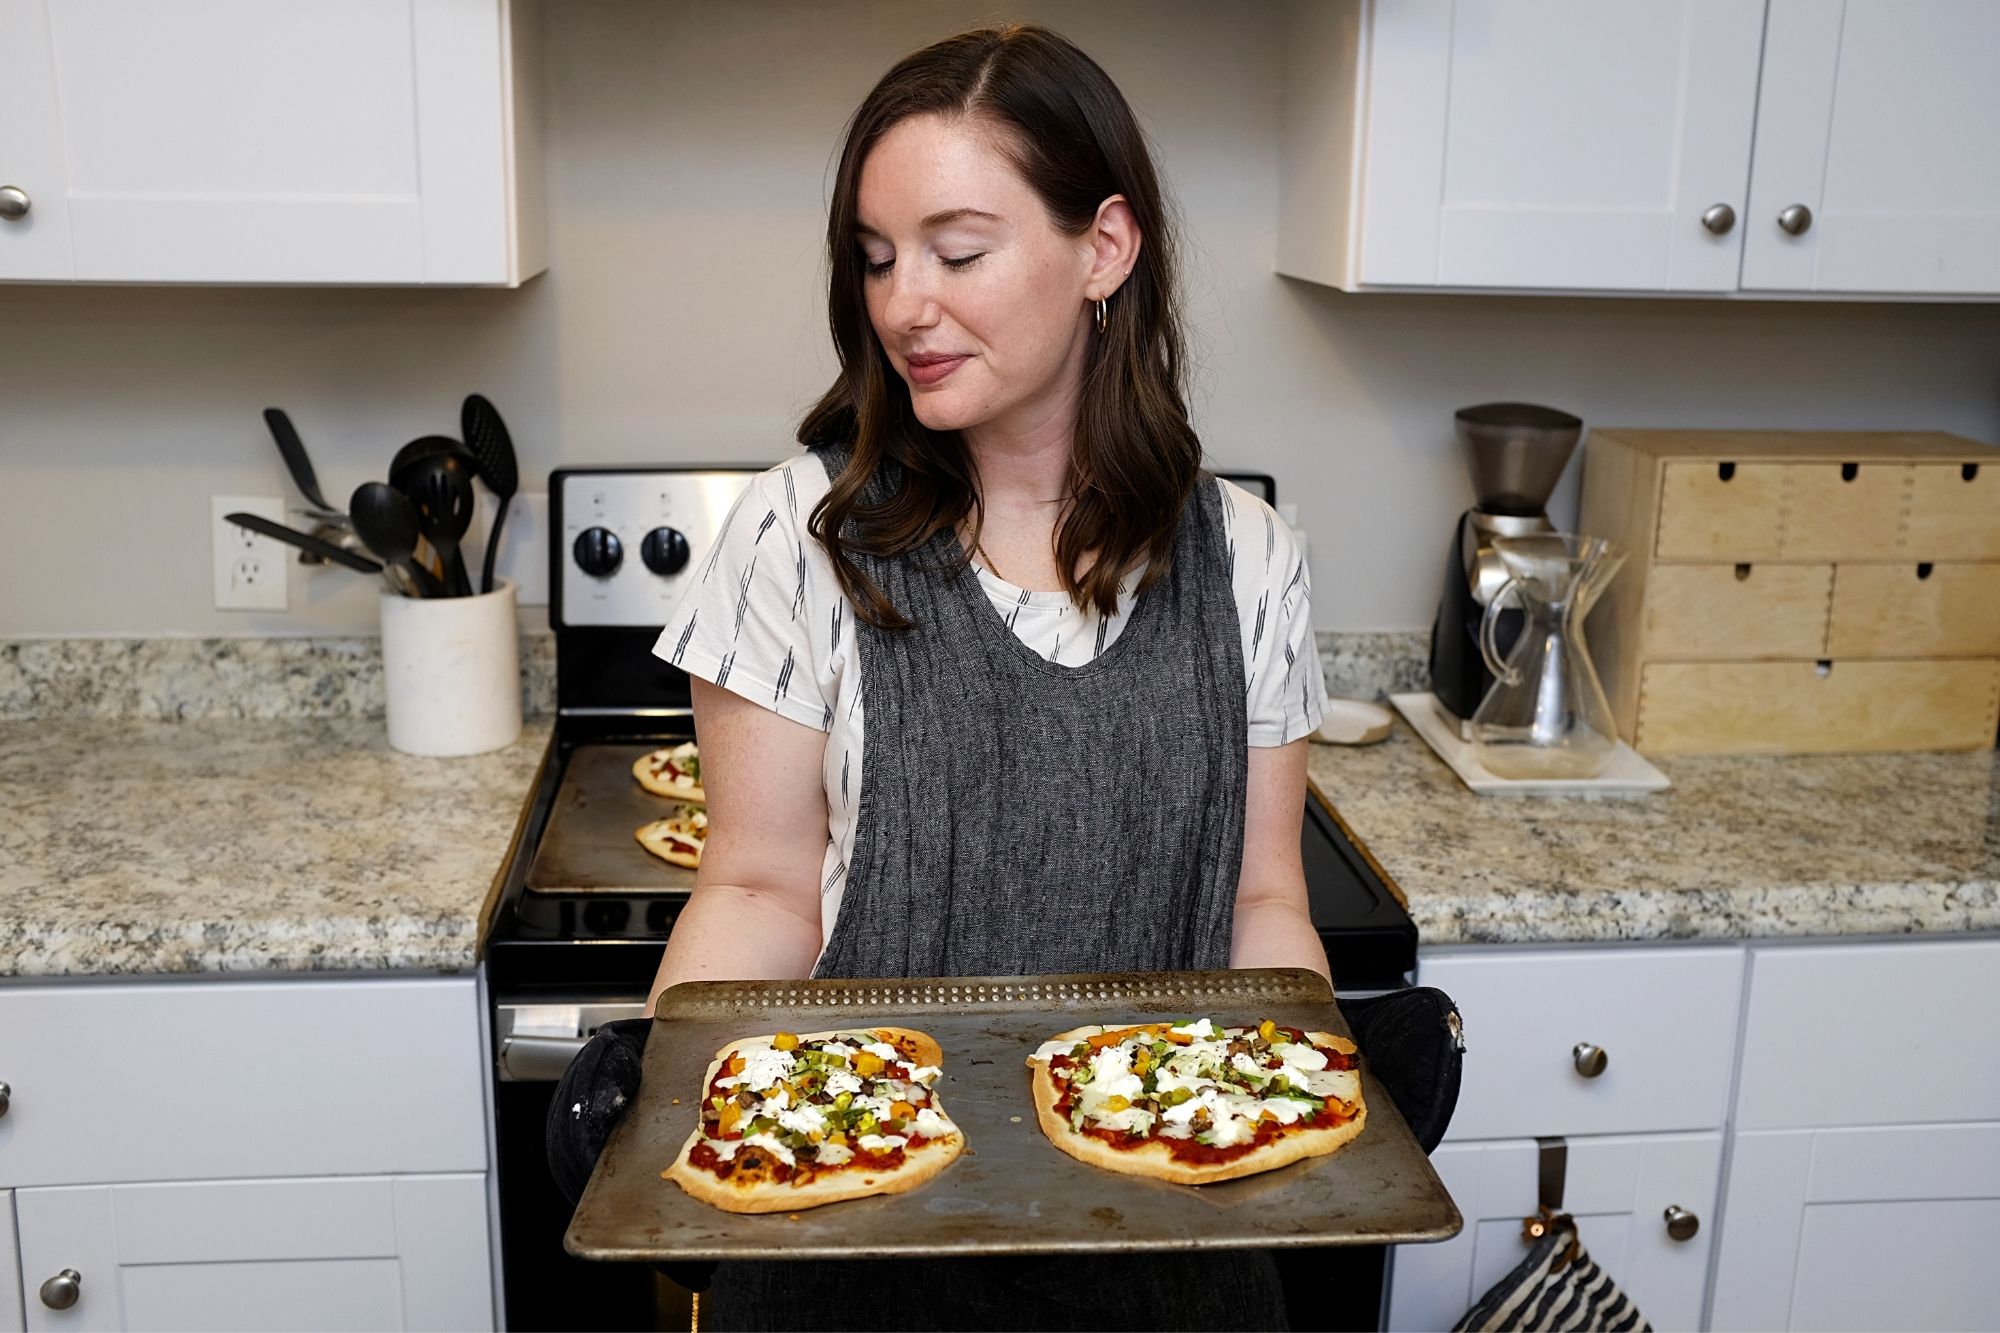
1740 847
132 847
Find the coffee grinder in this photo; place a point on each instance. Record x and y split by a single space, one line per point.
1518 452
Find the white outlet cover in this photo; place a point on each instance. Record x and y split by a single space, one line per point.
524 546
249 570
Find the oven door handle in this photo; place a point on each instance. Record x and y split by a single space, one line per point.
531 1059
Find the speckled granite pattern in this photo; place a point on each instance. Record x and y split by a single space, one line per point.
135 847
219 678
1741 847
1373 664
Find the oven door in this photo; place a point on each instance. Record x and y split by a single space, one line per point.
545 1287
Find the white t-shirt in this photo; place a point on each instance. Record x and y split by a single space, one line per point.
765 617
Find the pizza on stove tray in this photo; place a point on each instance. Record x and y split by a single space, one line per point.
674 771
679 838
794 1121
1194 1103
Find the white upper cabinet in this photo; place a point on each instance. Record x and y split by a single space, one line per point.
1575 146
1541 144
34 206
271 141
1879 129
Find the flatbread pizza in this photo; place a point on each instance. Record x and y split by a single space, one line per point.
795 1121
678 838
1194 1103
674 772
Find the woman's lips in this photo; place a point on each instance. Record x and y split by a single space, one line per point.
931 369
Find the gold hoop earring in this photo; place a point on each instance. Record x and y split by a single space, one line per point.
1103 317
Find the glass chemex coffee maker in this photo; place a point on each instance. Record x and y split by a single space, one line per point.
1517 452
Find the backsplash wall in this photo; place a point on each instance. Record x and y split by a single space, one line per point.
688 147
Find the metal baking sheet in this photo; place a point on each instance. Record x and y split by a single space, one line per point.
589 847
1011 1191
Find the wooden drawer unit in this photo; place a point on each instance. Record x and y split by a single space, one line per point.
1817 707
1664 1019
1797 591
1955 511
1736 611
1916 610
1720 511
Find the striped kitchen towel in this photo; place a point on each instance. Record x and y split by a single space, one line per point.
1558 1286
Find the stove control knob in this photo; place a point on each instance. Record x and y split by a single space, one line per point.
665 551
598 552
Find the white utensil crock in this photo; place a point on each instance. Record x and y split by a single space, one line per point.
451 667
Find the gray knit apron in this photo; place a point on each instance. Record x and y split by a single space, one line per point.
1023 818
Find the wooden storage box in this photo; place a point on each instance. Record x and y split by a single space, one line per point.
1793 591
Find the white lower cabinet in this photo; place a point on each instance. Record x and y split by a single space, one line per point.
1617 1187
334 1253
11 1313
1868 1228
296 1153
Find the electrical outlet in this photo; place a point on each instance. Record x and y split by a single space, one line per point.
249 569
524 546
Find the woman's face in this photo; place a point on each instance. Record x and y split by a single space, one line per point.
980 302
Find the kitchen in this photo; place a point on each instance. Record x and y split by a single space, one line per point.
207 829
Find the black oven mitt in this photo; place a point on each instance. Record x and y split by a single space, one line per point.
1410 1039
1414 1044
595 1090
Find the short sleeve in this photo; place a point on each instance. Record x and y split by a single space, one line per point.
1285 689
744 620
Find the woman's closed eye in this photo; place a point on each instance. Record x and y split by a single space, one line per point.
959 264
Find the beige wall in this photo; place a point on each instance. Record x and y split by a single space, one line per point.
688 150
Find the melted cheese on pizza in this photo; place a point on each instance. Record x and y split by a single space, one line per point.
1195 1082
818 1105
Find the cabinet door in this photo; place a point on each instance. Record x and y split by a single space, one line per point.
11 1313
309 141
1887 1227
1881 117
35 245
1557 143
1618 1189
333 1252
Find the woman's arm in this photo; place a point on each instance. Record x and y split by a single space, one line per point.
1273 922
754 914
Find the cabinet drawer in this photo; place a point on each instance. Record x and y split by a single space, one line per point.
1735 611
1912 1015
1720 511
1955 511
1810 707
1845 511
1665 1019
1916 610
226 1080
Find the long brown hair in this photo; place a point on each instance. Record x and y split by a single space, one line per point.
1135 457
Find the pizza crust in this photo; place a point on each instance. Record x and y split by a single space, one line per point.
921 1161
1155 1160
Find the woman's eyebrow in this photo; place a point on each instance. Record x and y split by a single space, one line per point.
947 217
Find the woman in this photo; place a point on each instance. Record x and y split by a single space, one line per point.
994 679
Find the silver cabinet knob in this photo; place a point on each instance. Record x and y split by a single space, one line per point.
1590 1060
1719 218
1681 1224
60 1292
14 203
1795 219
6 1098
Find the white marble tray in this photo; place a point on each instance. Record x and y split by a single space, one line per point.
1628 773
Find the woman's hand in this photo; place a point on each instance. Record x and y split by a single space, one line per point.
1273 921
754 914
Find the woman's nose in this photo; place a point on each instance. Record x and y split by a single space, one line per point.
911 303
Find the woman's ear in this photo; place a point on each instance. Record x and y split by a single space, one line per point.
1114 246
